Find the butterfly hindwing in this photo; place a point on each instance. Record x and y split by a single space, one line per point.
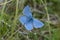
23 19
29 26
37 23
27 11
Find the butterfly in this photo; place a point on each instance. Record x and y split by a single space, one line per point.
28 21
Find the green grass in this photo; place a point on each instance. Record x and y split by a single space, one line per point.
12 29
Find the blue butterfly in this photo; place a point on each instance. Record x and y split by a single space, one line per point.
28 21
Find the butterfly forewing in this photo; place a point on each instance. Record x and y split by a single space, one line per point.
27 11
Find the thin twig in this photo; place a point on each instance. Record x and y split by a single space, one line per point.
5 2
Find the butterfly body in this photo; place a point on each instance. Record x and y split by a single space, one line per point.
28 21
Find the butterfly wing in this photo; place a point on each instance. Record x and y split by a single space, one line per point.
29 26
23 19
27 11
37 23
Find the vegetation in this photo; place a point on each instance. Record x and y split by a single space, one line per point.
48 11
